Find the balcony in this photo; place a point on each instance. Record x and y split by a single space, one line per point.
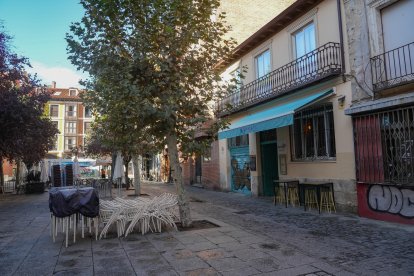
316 65
393 68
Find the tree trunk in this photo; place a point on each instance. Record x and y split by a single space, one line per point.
136 163
126 159
183 205
113 165
1 174
18 168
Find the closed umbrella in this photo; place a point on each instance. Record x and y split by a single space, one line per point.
23 171
117 176
44 172
76 168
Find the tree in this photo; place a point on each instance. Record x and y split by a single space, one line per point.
27 134
167 51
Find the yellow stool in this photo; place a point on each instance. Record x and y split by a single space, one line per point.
293 196
327 201
311 198
279 195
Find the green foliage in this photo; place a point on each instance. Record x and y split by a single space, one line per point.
153 65
26 133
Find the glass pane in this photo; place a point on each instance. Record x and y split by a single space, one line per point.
322 151
297 132
331 141
309 137
300 44
310 43
263 64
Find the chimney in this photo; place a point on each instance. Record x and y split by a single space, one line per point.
53 84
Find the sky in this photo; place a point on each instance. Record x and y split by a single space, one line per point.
38 28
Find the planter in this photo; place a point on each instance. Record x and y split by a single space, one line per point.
35 187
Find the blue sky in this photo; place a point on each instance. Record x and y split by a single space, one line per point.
38 28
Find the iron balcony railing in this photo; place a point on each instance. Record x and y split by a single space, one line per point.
393 68
318 64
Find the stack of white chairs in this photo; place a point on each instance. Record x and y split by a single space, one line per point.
142 214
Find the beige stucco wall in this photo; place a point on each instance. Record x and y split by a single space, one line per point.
325 18
340 171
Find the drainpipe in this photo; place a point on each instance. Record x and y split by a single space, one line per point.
341 39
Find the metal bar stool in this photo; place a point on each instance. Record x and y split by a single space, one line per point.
327 201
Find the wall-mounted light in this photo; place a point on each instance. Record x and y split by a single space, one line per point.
341 101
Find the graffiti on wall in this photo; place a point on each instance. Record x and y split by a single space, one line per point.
241 174
391 199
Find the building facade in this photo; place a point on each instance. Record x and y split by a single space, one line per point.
381 49
287 118
71 117
244 19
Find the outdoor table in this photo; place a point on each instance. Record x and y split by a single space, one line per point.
286 184
66 201
314 185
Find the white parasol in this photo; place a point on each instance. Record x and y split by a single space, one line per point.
118 167
44 172
76 168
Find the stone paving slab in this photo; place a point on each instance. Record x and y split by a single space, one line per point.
254 238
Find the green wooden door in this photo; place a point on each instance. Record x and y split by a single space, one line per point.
269 167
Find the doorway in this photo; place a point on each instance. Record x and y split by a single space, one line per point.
268 149
198 170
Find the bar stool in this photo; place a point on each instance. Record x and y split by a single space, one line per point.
293 195
327 201
279 195
311 198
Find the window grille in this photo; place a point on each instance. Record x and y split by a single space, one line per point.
384 146
313 134
239 141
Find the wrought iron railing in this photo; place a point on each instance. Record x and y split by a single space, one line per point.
318 64
393 68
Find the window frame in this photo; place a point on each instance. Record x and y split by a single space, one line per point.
314 113
66 142
70 125
84 127
71 92
74 110
50 110
256 60
87 113
300 30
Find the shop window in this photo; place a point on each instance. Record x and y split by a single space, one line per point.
239 141
313 134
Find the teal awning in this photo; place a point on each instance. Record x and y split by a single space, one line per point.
274 117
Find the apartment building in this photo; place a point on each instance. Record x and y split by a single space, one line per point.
71 117
287 118
245 19
381 49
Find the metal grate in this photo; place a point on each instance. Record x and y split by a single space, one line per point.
384 146
320 63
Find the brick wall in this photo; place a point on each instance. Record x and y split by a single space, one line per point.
246 16
211 169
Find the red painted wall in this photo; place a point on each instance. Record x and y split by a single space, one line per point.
382 203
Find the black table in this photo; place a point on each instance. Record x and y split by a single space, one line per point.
316 186
286 184
66 201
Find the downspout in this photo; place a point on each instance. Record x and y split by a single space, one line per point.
341 39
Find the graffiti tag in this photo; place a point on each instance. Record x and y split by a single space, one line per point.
391 200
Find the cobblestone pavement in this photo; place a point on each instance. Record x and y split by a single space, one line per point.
254 237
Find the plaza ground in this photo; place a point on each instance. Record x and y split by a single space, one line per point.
254 237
